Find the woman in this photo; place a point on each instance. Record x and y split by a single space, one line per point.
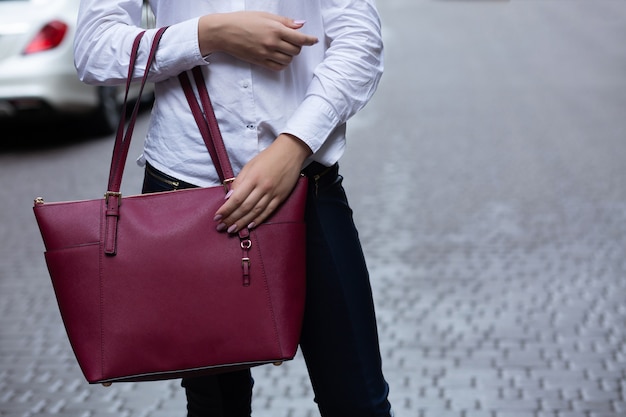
284 77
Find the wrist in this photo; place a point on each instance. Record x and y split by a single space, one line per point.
209 30
297 148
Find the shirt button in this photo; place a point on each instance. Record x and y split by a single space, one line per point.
250 126
245 84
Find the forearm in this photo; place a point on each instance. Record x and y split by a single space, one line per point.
268 40
211 32
347 77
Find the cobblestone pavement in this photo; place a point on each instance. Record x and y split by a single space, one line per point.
489 184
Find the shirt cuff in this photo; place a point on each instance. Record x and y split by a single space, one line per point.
179 49
312 122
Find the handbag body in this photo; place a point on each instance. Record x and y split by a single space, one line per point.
148 289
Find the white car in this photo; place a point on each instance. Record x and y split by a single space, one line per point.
37 73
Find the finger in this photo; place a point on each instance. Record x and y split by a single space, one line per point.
269 209
281 58
254 219
294 23
233 199
273 65
288 49
288 22
240 209
300 39
246 216
309 41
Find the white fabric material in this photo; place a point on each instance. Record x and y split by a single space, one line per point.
312 99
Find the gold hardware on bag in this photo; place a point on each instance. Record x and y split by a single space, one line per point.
107 384
39 201
278 363
113 194
227 182
246 244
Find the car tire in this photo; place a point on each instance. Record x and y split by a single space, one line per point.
107 116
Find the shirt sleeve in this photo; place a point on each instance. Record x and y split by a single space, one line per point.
348 76
105 33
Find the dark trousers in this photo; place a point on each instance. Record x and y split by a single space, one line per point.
339 339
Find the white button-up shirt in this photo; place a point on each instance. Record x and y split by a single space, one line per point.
312 99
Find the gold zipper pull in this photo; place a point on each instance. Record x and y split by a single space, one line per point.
316 179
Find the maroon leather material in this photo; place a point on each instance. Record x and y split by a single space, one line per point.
175 297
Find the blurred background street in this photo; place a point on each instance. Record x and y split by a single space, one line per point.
488 180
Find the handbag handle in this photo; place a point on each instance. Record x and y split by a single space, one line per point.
113 197
207 124
123 137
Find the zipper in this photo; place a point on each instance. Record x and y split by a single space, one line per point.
161 178
317 177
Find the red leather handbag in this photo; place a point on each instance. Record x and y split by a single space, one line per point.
148 289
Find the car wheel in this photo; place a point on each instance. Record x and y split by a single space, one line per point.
107 115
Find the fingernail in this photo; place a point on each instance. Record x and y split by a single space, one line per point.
220 227
251 225
228 194
232 229
217 217
299 22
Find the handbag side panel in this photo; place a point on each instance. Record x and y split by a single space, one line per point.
71 234
282 252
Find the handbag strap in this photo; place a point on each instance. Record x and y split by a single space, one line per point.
207 123
124 136
113 198
208 126
205 119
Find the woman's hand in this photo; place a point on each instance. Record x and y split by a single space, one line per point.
260 38
263 184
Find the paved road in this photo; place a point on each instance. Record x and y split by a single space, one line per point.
488 179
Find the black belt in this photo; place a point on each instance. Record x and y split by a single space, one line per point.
321 175
314 170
